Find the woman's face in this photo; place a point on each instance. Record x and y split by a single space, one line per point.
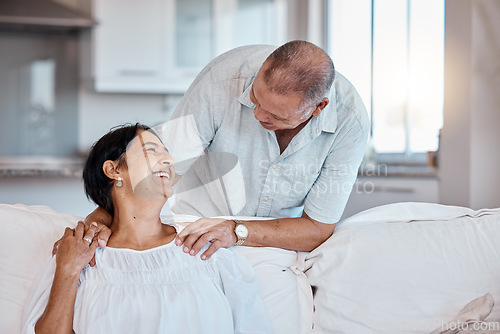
150 167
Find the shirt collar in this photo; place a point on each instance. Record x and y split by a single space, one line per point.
245 97
327 120
328 117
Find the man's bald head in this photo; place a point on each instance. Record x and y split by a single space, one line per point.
299 67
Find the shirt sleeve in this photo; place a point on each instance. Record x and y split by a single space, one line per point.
38 296
328 196
192 125
239 283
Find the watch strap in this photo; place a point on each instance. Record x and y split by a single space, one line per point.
239 240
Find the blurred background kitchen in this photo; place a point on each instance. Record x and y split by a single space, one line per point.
427 70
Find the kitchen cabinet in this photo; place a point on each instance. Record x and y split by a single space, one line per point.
372 191
159 46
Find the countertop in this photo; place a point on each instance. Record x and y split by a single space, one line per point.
41 167
383 170
73 167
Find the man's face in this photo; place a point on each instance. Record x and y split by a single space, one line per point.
276 111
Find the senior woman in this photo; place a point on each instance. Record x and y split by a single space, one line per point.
142 282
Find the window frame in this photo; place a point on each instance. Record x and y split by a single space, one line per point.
319 30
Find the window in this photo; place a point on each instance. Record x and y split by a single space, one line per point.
38 95
393 53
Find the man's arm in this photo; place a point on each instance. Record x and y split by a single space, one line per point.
99 215
298 234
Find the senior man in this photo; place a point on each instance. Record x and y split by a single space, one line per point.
297 131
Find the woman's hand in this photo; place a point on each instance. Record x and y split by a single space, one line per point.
73 253
101 231
76 249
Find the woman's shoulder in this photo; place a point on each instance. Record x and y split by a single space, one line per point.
179 222
130 259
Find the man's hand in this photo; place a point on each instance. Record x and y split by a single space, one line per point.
102 234
218 231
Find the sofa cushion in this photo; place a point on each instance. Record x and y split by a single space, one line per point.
28 234
404 268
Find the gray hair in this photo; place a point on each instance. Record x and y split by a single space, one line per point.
299 67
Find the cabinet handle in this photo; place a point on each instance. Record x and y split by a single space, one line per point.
382 189
137 73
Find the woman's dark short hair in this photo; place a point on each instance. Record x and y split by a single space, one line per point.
111 146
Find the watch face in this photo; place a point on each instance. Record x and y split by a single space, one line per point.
241 231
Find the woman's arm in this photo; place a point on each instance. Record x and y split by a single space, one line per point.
73 254
58 314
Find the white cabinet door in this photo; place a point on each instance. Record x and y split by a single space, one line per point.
369 192
128 38
159 46
131 46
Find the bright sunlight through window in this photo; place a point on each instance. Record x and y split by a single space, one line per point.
393 53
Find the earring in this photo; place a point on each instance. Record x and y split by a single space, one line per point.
119 182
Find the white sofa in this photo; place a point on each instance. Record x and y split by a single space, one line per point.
399 268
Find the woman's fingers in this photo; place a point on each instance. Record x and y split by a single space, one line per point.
56 245
68 231
90 233
92 247
92 261
103 232
91 251
79 230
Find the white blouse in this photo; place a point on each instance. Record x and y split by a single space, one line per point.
159 290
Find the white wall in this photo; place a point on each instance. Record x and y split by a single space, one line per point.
61 194
100 112
469 156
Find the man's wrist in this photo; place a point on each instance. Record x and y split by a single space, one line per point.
233 226
241 232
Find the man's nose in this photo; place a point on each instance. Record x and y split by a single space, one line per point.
259 114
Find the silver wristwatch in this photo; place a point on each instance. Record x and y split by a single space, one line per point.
241 232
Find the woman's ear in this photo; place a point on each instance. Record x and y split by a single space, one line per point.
322 105
110 169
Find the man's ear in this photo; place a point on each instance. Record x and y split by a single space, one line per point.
322 105
110 169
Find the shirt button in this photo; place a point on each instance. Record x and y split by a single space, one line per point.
266 199
274 166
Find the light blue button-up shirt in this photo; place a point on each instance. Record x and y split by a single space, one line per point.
241 171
